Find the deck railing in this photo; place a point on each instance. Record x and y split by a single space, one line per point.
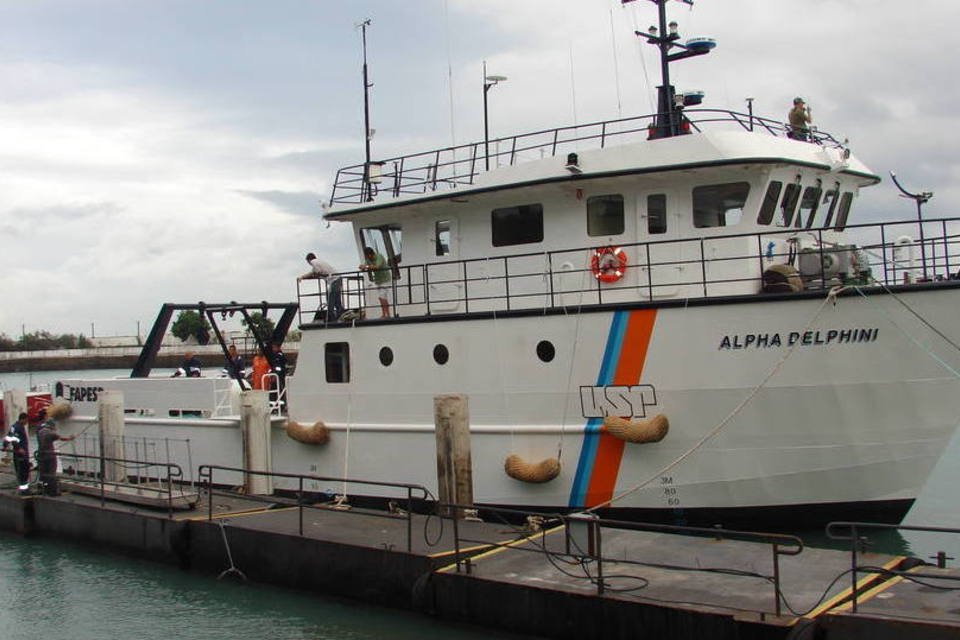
164 478
851 532
583 546
305 498
887 253
452 167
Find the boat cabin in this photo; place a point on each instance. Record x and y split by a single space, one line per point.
598 214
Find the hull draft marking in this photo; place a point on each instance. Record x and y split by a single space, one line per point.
622 364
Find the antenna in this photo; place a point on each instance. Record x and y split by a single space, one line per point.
367 188
669 120
921 199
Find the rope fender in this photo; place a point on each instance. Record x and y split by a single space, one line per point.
317 433
652 430
543 471
60 410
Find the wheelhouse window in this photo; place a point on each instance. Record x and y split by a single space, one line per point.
791 195
845 201
442 237
605 215
769 205
522 224
656 213
831 197
337 361
719 205
808 205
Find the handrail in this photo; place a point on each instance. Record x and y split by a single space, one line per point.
206 477
856 542
456 166
174 472
781 544
713 264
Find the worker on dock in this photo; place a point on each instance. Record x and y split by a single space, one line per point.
17 439
47 454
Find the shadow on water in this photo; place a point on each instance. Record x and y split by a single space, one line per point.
889 541
51 588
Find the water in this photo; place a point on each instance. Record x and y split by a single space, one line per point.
54 589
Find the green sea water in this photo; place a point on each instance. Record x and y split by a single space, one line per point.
54 589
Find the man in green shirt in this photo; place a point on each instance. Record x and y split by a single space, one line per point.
381 276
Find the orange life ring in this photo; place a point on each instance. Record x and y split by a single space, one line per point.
608 264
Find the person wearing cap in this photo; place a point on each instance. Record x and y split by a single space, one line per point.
190 367
321 270
799 119
47 454
17 438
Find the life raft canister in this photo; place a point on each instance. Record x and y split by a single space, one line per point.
608 264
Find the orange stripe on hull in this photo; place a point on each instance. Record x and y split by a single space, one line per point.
633 355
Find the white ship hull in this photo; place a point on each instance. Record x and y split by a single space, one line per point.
856 412
837 407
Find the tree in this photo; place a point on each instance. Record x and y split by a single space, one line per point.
260 326
190 323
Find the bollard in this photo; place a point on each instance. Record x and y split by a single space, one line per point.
454 467
255 429
110 419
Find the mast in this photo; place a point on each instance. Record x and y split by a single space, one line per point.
669 119
367 190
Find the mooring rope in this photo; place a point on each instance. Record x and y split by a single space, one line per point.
232 569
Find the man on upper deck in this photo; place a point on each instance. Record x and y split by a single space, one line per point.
321 269
799 119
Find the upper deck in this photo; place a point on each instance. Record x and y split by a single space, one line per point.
602 148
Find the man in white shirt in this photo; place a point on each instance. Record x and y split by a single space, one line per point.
324 270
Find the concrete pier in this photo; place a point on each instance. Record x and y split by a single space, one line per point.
633 583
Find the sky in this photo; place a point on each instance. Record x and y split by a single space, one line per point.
179 150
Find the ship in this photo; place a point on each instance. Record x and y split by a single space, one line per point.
678 316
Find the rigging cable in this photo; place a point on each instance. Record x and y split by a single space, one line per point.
453 130
573 86
616 65
643 62
581 289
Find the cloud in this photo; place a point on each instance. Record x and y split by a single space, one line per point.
184 157
300 203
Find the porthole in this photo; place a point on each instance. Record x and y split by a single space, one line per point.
440 354
546 351
386 356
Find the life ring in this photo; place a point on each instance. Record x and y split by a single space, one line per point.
608 264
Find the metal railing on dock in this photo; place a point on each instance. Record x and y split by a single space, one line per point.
97 476
413 492
584 541
857 543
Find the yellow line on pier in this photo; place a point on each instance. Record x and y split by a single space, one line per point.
237 514
866 595
502 546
